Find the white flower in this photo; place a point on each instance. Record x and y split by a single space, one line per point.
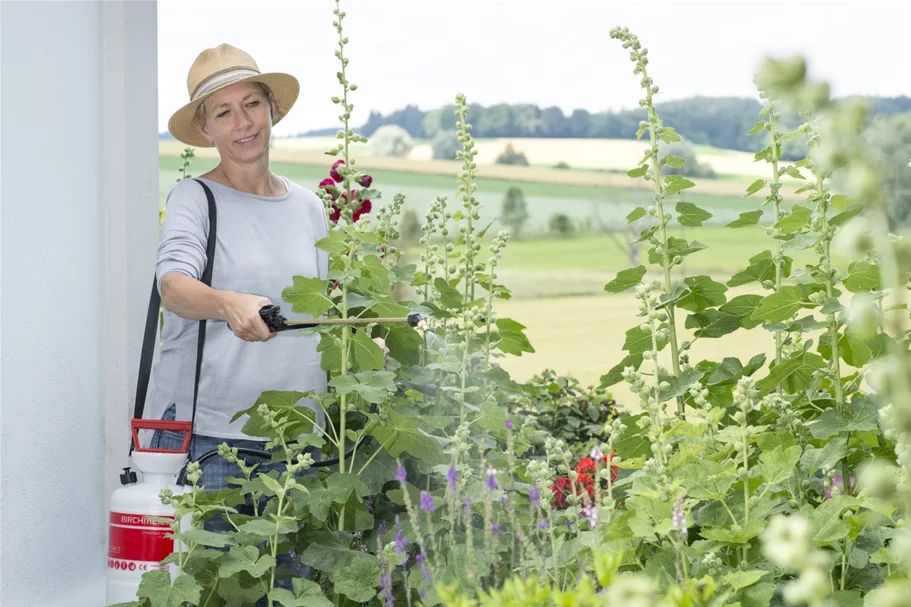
631 590
786 541
808 588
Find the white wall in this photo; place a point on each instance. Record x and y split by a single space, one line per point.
79 195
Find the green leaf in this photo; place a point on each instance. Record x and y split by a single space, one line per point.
282 402
334 242
676 183
707 480
367 355
735 535
208 538
343 384
704 293
375 274
690 215
306 594
626 279
793 374
755 187
840 201
266 528
844 217
757 128
635 215
750 218
679 386
712 324
647 233
388 307
672 161
779 465
861 415
666 299
827 522
669 135
404 344
862 276
849 598
830 454
307 296
358 580
327 552
761 268
512 339
639 340
449 296
402 435
676 246
742 307
793 172
246 558
156 586
639 171
797 219
778 306
615 375
758 595
741 579
854 351
373 386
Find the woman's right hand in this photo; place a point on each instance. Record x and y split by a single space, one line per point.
242 313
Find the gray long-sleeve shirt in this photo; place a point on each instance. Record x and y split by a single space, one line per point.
261 243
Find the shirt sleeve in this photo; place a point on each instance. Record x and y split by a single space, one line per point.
184 232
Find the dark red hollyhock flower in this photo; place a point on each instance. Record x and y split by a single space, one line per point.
364 181
333 172
335 215
366 207
560 489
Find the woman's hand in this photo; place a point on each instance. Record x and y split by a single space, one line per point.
382 344
242 313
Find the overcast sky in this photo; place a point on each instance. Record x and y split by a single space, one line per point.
554 52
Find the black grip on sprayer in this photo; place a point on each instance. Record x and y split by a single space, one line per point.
272 316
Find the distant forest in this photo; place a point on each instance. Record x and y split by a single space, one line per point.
718 121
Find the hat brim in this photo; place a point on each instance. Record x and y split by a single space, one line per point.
285 90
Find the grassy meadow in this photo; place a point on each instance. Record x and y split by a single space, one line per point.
557 283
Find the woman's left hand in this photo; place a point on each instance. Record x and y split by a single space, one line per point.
382 344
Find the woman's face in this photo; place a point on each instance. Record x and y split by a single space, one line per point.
238 120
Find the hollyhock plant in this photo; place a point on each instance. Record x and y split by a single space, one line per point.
333 172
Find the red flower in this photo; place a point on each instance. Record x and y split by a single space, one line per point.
333 172
366 207
586 464
364 180
335 215
560 489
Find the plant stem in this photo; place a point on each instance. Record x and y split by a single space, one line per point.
662 223
776 206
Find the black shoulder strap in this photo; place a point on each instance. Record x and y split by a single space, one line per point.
152 316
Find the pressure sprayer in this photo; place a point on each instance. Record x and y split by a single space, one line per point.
137 543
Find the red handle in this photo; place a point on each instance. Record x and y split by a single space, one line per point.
157 424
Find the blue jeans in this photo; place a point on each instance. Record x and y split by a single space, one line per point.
215 472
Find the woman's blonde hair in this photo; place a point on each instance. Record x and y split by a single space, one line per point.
200 117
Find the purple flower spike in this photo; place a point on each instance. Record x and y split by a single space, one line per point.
453 477
400 474
491 478
468 512
427 504
508 424
504 499
494 527
401 543
544 525
534 495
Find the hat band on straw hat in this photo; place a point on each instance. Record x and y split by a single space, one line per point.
218 80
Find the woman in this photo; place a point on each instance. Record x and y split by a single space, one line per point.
266 230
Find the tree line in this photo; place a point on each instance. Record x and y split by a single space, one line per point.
718 121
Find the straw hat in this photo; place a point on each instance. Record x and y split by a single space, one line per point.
218 68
